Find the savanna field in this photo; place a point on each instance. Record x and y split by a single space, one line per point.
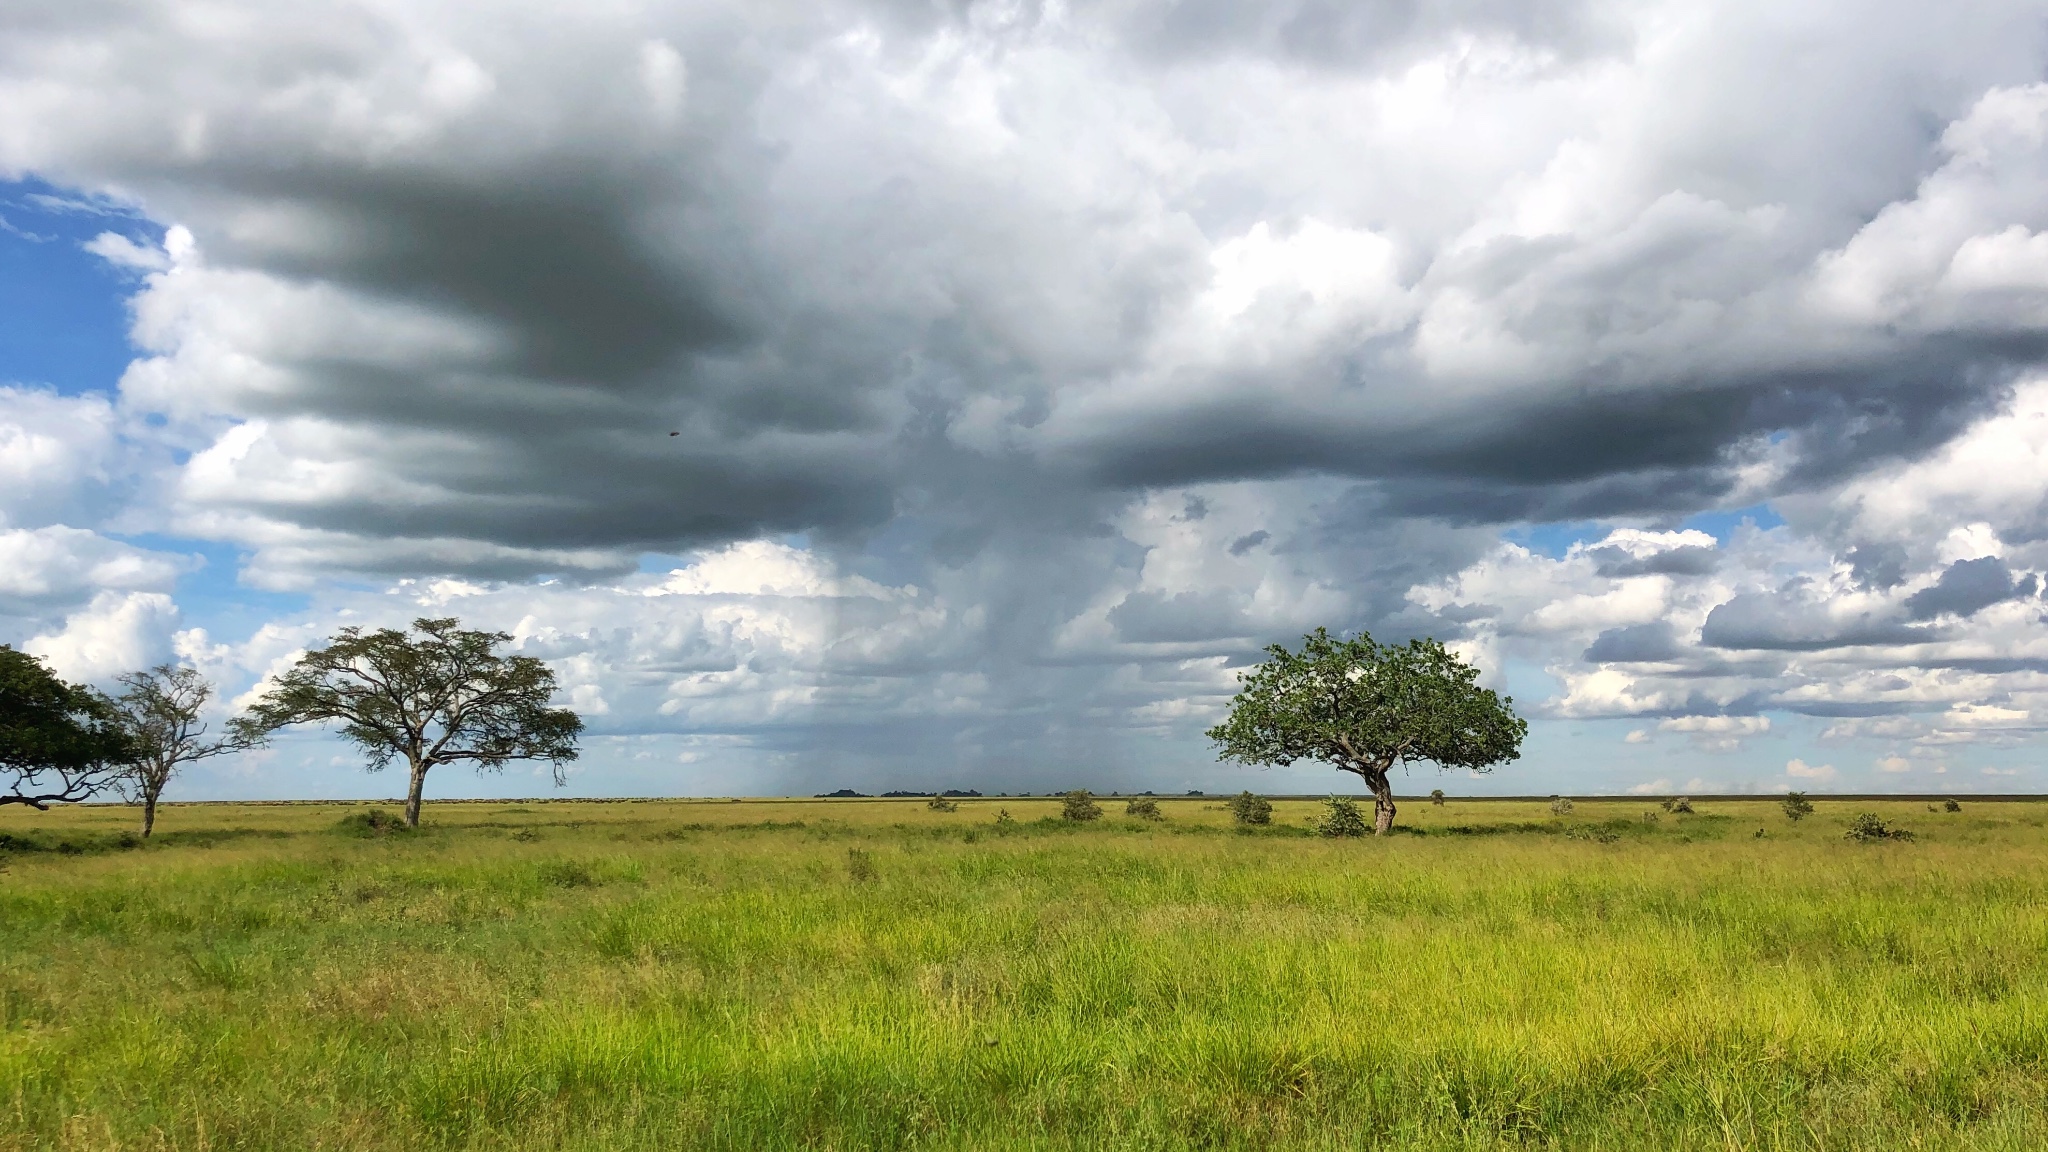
875 974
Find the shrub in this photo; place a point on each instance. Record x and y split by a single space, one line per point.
1246 808
1004 819
1797 806
941 804
1867 827
860 865
1679 804
375 822
1436 797
1144 808
1560 806
1080 805
1950 805
1343 818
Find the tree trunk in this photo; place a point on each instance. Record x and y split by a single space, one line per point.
149 796
412 796
1382 803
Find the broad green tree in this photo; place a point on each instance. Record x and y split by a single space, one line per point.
59 743
161 710
435 695
1365 707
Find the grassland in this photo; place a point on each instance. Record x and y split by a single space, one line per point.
850 975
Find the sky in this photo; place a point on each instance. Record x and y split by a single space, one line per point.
915 395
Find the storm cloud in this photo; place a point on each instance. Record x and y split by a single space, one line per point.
1104 342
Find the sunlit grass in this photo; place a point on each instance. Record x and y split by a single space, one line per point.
710 974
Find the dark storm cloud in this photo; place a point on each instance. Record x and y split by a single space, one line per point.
1687 560
1966 587
1793 622
1637 643
712 222
1149 617
1107 340
1879 566
1249 541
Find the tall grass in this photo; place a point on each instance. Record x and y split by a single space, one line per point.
721 976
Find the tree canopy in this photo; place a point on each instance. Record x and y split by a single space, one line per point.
436 695
1364 707
59 743
160 709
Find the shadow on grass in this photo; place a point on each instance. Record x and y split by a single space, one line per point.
100 843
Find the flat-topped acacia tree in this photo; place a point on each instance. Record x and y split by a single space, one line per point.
436 695
1365 707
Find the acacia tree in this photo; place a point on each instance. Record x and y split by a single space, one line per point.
160 710
1365 707
59 743
434 696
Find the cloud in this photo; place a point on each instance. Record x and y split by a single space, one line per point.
1717 733
1819 773
117 632
986 379
45 568
57 455
1967 586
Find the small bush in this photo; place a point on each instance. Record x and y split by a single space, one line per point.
1246 808
1797 806
1867 827
1950 805
568 874
941 804
1342 818
375 822
1144 808
1004 819
1678 804
1080 805
1560 806
1436 797
860 865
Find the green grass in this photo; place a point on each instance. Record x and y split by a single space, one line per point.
846 975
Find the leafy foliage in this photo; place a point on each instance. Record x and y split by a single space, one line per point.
1342 818
373 823
1246 808
1797 806
1679 805
1560 806
1364 707
1868 827
1080 805
1950 805
160 709
941 804
59 743
435 696
1144 808
1436 797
